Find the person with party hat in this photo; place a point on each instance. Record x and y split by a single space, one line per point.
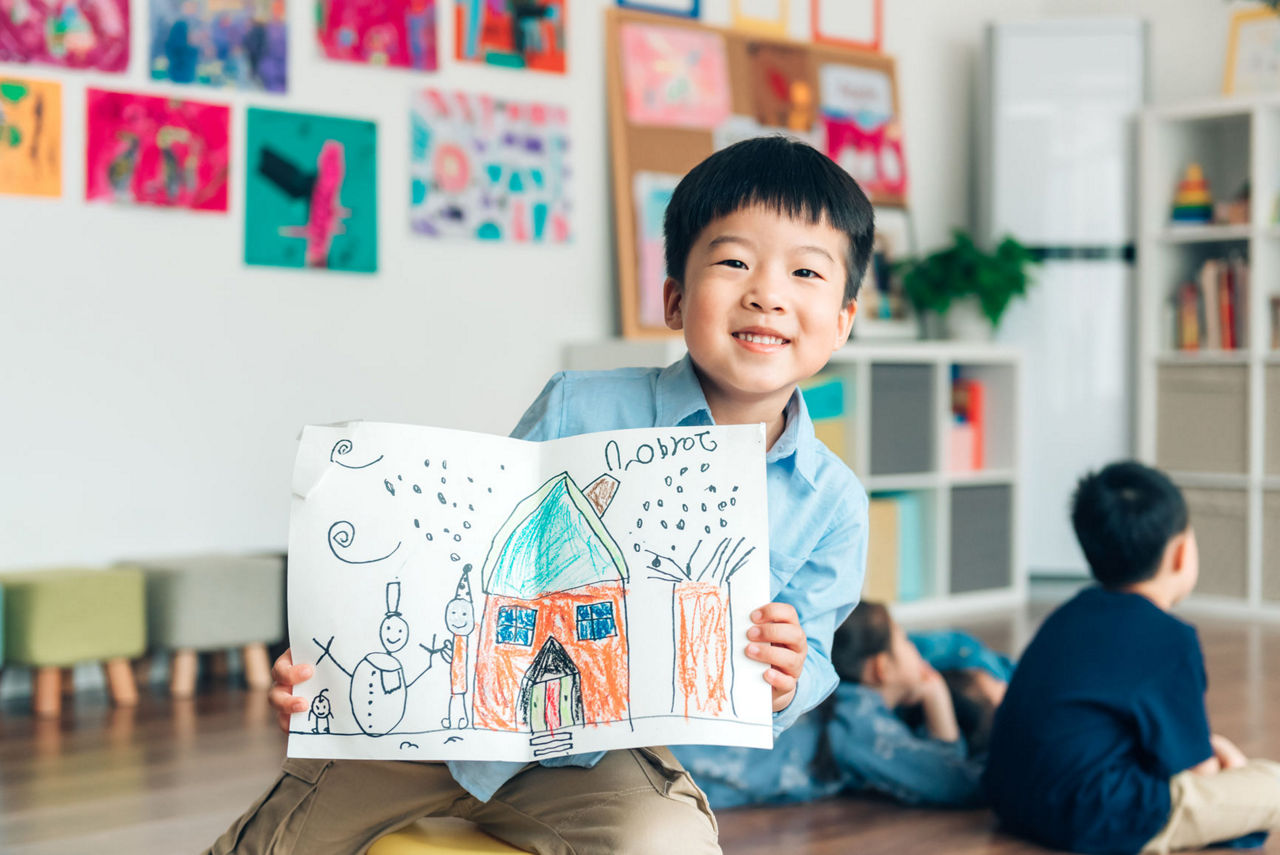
460 619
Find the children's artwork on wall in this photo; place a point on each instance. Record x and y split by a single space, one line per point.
239 44
863 133
767 17
512 33
884 311
1253 53
149 150
83 34
679 8
30 137
489 169
311 192
855 24
396 33
783 86
466 596
652 194
674 76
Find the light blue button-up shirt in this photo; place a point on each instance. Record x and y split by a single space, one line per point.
817 517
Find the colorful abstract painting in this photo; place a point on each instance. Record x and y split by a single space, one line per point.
489 169
862 130
147 150
30 137
782 86
652 194
311 195
398 33
679 8
92 34
674 76
239 44
511 33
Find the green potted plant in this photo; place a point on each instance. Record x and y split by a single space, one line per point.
965 276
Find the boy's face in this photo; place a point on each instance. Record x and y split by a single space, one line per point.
763 303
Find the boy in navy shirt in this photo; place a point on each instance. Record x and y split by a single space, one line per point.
1102 743
766 243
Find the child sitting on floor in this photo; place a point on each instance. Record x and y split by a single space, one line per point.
895 725
1102 743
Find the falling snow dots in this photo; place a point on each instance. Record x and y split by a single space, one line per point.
471 507
639 523
399 477
646 505
470 480
711 488
704 467
444 464
664 523
426 463
680 525
679 489
636 547
733 499
704 507
429 537
707 529
722 506
723 523
735 489
453 556
417 489
490 489
684 469
444 481
390 487
417 524
502 466
442 499
667 480
466 524
457 538
684 508
446 531
659 503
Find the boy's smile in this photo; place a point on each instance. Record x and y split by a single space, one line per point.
762 308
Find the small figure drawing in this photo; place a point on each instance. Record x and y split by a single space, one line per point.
321 712
378 683
460 619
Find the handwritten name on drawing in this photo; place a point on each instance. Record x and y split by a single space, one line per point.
659 449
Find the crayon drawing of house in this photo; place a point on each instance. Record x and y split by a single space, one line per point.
553 648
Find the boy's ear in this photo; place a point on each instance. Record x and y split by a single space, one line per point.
873 670
1178 550
673 303
844 325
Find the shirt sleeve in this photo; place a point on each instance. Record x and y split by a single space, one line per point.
1171 716
545 417
875 750
823 592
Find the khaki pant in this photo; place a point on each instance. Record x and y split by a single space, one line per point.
636 801
1211 809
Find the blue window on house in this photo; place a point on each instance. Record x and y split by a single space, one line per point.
515 625
596 622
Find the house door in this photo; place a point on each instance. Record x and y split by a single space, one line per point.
552 703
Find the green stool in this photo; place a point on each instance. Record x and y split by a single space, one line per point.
56 618
440 836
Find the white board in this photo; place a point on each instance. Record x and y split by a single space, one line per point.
467 596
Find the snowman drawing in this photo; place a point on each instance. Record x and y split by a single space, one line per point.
378 683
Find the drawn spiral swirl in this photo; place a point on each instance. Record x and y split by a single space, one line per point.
342 534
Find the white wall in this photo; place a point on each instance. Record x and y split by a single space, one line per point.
151 386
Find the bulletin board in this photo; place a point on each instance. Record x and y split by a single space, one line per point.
680 90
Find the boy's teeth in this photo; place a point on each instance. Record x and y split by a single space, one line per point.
760 339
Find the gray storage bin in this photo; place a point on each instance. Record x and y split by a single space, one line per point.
1220 519
1202 418
981 538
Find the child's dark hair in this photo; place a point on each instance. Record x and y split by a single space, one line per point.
1124 517
866 632
782 175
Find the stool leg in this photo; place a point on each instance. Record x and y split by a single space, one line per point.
182 673
124 691
257 667
68 682
142 670
46 700
219 666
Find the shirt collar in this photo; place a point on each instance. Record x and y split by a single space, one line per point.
679 401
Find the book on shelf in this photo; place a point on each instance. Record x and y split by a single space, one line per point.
1211 310
1275 323
896 549
824 396
968 405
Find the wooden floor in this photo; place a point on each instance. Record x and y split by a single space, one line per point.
168 777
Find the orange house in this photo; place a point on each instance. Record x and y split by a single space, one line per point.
553 649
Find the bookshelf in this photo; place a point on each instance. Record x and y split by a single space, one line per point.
1211 417
886 409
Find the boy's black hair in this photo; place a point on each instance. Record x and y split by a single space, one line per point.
1124 517
783 175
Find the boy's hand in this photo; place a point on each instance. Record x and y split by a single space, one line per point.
1226 752
778 641
286 675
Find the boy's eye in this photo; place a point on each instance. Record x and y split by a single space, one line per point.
806 273
734 263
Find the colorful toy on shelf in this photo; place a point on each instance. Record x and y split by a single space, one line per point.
1192 203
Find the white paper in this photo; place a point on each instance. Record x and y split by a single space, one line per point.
575 630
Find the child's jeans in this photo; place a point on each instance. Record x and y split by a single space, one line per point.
1210 809
636 801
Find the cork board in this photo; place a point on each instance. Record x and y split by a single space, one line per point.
679 90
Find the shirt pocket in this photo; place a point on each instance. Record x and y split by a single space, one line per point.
781 568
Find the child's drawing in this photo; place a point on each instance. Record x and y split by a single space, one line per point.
320 711
652 195
863 133
147 150
511 33
30 137
488 169
582 618
396 33
86 34
674 76
236 44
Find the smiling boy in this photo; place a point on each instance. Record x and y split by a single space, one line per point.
766 243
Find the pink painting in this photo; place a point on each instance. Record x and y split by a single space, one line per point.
148 150
399 33
69 33
674 76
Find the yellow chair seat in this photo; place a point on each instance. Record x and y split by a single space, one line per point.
438 836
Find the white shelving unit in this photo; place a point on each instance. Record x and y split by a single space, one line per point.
1212 419
902 446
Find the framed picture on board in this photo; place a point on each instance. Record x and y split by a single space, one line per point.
849 23
858 113
768 17
679 8
883 308
1253 53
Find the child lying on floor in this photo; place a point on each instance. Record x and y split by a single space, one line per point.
895 725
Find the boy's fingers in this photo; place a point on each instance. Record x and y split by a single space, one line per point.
787 634
779 681
775 612
782 658
285 702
